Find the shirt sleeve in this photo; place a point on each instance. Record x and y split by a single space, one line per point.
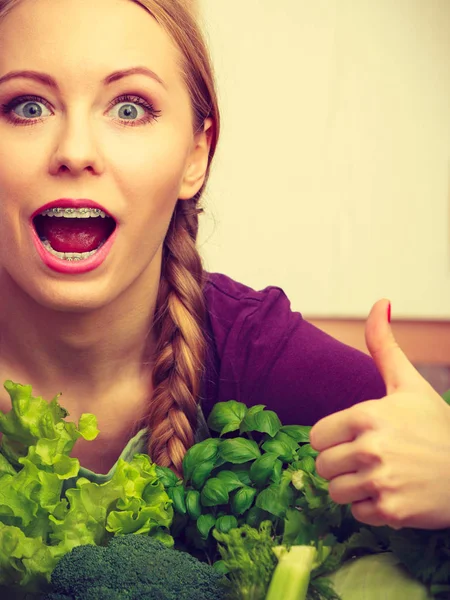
271 355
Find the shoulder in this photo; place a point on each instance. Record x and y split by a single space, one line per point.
241 316
221 291
267 353
227 299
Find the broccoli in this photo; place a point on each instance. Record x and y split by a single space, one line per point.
134 567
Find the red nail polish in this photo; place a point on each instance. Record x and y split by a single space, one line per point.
389 313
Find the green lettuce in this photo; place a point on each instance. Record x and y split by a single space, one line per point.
39 521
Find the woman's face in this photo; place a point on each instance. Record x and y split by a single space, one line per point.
83 129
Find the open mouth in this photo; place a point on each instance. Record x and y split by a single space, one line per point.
73 234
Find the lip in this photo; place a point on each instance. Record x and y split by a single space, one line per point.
64 266
71 203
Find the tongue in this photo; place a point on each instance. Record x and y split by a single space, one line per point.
74 235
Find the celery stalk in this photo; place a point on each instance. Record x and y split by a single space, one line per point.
290 580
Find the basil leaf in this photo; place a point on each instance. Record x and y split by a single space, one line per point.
226 416
307 450
201 452
242 472
214 493
288 440
300 433
281 449
276 473
176 494
242 500
230 479
308 464
255 409
201 473
225 523
193 506
204 525
270 500
166 476
264 421
239 450
256 516
262 468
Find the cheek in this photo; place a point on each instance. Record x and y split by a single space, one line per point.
149 170
21 167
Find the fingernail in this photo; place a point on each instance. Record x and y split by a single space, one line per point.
389 313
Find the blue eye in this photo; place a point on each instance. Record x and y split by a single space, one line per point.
128 111
27 108
32 110
131 106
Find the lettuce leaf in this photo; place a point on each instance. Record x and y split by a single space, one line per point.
39 522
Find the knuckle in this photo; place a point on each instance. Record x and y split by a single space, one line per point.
389 513
363 416
374 486
368 452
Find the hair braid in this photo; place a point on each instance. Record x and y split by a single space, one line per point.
179 356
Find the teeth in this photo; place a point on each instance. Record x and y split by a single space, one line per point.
74 213
70 256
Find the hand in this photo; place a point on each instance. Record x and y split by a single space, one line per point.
389 458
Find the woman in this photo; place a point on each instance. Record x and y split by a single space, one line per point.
108 125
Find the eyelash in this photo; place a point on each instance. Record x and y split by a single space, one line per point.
152 113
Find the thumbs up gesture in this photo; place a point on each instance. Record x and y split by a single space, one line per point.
389 458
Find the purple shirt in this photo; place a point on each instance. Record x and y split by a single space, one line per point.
261 352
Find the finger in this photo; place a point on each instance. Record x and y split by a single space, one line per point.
343 459
390 360
366 511
341 427
349 488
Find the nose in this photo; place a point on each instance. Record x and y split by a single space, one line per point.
76 149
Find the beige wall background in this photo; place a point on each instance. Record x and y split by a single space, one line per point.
332 178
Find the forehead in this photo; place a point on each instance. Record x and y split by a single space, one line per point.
82 40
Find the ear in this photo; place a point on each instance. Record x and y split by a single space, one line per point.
197 163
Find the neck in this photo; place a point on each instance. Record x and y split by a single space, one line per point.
86 354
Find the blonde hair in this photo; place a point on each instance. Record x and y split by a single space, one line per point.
180 311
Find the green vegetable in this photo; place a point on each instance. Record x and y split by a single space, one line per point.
290 580
239 477
267 472
252 489
136 567
39 522
247 554
377 576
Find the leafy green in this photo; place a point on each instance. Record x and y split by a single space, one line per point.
247 555
39 521
227 416
258 471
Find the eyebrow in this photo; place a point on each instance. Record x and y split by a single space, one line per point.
49 81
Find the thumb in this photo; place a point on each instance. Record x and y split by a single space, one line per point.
390 360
